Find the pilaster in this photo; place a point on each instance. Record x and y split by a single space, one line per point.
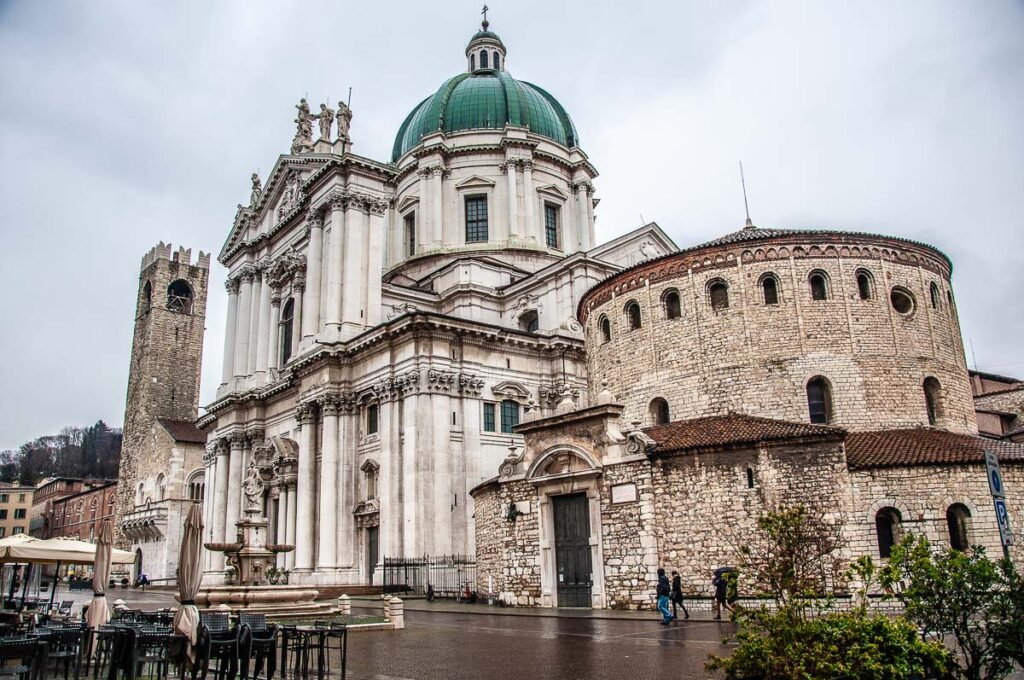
232 286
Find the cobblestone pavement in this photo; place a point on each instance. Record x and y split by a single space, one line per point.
451 646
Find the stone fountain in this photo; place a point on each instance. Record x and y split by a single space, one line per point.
250 556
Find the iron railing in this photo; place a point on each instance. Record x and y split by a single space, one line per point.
451 576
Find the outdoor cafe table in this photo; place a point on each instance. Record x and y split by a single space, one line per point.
307 636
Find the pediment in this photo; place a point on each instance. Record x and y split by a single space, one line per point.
553 190
510 389
475 181
407 202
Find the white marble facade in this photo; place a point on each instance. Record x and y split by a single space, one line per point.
369 371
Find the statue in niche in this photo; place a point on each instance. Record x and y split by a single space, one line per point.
344 120
304 128
325 118
257 190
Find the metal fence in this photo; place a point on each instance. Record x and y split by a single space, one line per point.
450 575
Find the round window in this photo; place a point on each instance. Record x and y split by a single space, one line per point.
902 300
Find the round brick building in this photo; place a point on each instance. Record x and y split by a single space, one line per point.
851 329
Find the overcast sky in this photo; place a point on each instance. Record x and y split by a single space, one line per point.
126 123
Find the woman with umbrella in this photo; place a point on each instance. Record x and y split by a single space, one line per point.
726 590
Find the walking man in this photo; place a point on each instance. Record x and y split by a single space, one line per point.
721 583
664 590
677 595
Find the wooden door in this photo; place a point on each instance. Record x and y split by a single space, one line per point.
572 550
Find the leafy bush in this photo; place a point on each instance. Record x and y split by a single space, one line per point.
857 645
962 597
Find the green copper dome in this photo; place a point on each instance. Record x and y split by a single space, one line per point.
485 99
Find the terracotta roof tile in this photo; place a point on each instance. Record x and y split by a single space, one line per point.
923 446
183 430
732 430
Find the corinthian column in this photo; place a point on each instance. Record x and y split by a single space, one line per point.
531 230
305 489
290 526
242 326
233 481
281 532
510 172
229 333
254 317
332 322
220 499
375 262
329 485
311 303
263 334
353 317
275 321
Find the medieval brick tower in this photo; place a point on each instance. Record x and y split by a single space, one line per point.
167 350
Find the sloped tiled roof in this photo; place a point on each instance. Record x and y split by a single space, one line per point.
732 430
183 430
923 446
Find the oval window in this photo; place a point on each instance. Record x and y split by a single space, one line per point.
902 300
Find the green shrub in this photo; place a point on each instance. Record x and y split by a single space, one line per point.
788 645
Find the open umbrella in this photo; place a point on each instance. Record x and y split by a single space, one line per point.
186 620
99 612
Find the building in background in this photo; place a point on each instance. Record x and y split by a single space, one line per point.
999 405
15 508
161 470
49 490
80 515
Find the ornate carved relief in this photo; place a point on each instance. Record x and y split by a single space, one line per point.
470 385
399 310
440 381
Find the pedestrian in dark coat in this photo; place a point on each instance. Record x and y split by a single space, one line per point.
721 583
663 591
677 595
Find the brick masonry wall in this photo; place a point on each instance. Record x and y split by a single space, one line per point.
757 358
163 379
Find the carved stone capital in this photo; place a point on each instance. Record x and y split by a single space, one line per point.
306 413
275 298
314 220
440 381
330 405
246 273
232 285
470 385
338 200
237 440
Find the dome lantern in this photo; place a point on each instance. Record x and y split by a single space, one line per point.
485 51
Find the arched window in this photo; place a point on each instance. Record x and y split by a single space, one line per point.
371 471
161 487
673 309
770 289
949 298
497 61
286 330
934 290
819 400
750 478
932 399
718 292
957 516
888 528
529 321
819 285
197 486
659 411
902 300
606 329
633 315
139 494
93 505
483 60
472 62
179 297
147 297
864 284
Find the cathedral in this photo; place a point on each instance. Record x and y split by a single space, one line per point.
431 355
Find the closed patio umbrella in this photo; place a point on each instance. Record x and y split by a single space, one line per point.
99 612
186 620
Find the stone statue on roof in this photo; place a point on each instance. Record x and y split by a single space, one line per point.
344 120
257 190
304 128
325 118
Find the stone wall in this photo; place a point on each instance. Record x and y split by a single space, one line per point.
922 495
757 358
508 552
1010 400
